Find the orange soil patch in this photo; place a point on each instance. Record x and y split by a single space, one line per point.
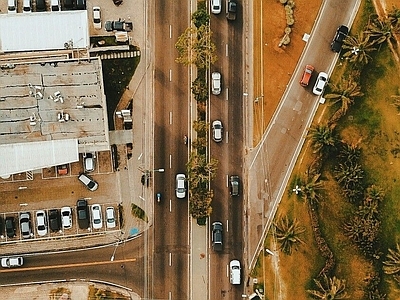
273 65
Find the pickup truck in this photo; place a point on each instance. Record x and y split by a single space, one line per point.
119 25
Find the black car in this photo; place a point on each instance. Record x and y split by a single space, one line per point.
82 211
234 185
217 236
1 227
341 34
10 227
54 220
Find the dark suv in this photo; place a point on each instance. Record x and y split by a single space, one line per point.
25 225
341 34
217 236
10 227
54 220
82 211
234 185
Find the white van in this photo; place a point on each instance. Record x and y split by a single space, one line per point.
12 6
234 267
55 5
27 8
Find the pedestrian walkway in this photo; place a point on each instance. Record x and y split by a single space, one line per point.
198 262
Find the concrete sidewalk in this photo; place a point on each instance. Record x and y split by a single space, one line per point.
198 262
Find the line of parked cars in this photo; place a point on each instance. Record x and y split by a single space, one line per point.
57 220
322 78
41 5
230 8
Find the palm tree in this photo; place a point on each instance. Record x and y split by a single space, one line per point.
349 153
287 233
345 92
323 138
357 48
310 190
394 17
392 264
329 289
379 30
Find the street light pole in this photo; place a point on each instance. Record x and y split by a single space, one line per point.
262 110
115 250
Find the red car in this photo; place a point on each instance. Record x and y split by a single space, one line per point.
305 79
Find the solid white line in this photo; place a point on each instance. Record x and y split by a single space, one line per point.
170 31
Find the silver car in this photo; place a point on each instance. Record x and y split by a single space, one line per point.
216 83
66 217
180 186
25 224
110 217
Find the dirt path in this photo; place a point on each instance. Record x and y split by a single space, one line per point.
279 283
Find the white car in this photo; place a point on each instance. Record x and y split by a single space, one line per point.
66 217
320 83
89 162
96 216
217 130
234 267
216 83
12 261
41 222
180 186
110 217
96 17
216 6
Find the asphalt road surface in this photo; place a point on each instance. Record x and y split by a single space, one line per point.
227 107
271 163
171 112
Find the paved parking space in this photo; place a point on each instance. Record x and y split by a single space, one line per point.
72 232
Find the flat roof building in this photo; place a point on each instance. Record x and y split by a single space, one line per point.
44 31
60 100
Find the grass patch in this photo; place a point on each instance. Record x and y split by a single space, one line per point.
58 292
139 213
373 124
99 294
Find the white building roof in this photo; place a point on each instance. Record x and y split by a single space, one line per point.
43 30
22 157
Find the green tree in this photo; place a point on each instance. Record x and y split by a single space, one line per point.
379 30
323 139
329 288
195 47
311 188
392 262
349 153
200 89
357 48
345 92
200 17
394 18
287 234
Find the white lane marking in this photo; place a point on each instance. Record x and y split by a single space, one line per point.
170 259
227 94
170 75
227 180
170 31
170 117
170 205
169 295
140 156
227 225
227 137
170 161
226 50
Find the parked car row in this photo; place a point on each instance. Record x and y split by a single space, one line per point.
230 8
322 78
56 220
41 5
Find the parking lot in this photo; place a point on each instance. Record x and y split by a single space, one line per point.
74 231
